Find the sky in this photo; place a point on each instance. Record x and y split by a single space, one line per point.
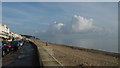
0 12
61 21
39 15
60 0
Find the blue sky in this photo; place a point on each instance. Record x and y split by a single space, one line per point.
0 12
32 16
60 0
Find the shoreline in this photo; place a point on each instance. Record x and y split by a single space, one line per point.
78 56
114 54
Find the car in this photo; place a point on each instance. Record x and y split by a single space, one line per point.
20 43
0 48
0 44
14 45
6 48
4 42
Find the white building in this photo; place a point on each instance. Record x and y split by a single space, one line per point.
4 31
1 28
4 28
15 35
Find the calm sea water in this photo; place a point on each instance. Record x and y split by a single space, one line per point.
104 43
110 45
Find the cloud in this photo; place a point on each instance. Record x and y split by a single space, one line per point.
78 24
55 28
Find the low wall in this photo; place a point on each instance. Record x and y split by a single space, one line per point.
38 55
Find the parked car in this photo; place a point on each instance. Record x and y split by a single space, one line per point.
0 48
6 48
14 45
0 45
20 42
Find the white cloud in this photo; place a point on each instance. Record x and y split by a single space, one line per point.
55 28
78 24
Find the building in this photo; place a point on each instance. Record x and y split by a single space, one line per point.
15 35
5 33
4 29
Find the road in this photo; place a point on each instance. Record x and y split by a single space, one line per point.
26 56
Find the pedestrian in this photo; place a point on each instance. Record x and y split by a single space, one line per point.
46 43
